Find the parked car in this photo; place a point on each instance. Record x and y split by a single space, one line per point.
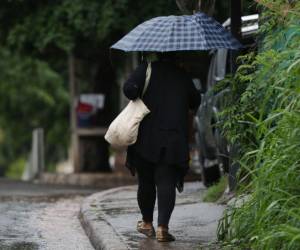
213 150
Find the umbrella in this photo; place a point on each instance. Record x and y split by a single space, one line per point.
178 33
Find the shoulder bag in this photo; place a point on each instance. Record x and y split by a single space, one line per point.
123 131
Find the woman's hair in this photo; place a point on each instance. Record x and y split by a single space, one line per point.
149 56
160 56
168 56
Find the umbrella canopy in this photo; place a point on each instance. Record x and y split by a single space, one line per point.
178 33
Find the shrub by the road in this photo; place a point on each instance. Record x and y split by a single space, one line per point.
262 116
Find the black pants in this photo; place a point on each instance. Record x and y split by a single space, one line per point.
161 179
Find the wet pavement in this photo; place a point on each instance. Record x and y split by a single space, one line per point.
42 225
12 189
110 219
34 217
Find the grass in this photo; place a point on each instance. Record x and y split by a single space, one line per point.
271 218
215 192
267 117
15 170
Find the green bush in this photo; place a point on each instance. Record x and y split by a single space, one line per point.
263 117
215 192
15 170
32 95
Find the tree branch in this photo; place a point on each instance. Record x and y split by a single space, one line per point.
282 10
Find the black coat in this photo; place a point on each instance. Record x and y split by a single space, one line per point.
170 95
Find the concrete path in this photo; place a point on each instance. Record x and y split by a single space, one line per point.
41 217
52 225
14 190
109 219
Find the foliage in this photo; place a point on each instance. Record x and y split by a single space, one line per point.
16 168
70 23
35 39
215 192
31 95
263 117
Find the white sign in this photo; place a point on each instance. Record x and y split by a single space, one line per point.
96 100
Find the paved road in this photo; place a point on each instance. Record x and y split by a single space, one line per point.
110 218
10 189
36 216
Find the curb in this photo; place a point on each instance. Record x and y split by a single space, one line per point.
108 180
101 234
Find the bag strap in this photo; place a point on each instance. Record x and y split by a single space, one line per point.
148 76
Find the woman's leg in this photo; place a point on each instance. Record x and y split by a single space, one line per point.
146 194
165 179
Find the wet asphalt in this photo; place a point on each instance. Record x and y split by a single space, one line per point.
193 223
36 216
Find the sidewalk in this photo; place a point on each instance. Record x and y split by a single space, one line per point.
109 219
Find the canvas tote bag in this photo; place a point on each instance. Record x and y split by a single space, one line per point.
123 131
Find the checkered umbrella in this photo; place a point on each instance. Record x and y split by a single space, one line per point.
178 33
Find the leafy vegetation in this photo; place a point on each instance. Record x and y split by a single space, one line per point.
215 192
69 24
16 169
35 40
263 118
31 95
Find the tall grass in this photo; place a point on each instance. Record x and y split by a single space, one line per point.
271 218
216 191
264 113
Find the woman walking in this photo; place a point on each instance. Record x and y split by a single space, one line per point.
160 155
